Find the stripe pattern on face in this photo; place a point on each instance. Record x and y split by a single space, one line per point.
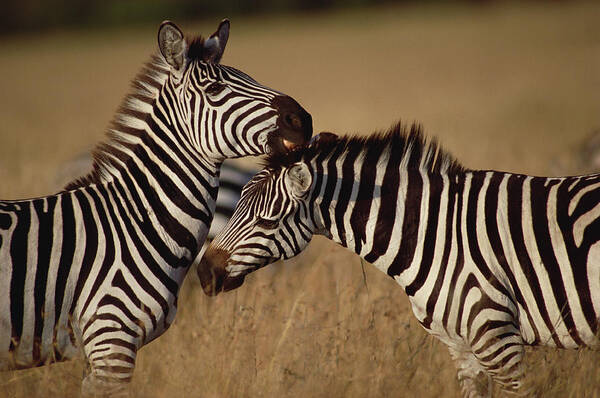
264 197
490 261
98 266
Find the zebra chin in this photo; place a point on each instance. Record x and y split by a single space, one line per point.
213 276
279 144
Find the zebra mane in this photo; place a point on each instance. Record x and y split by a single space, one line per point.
125 125
415 150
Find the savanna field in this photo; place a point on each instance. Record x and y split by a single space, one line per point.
510 86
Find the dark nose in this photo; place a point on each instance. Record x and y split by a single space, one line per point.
295 124
211 270
211 277
212 274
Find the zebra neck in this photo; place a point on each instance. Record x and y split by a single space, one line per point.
149 133
382 221
152 158
169 201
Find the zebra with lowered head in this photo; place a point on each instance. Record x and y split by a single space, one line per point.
98 267
490 261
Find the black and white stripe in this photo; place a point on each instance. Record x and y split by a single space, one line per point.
490 261
98 266
232 179
231 182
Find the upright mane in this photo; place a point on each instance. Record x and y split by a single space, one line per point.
411 145
125 126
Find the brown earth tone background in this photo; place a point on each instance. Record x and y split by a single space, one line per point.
506 86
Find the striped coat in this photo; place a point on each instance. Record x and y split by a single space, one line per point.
490 261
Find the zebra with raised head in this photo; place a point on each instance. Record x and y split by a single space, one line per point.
490 261
98 266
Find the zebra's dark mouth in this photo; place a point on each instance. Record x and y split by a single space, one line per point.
289 145
213 276
230 283
280 145
214 282
294 125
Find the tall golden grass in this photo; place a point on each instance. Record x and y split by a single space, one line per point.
504 86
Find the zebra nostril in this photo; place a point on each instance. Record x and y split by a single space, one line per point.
293 121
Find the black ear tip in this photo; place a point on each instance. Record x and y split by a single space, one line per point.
165 23
224 25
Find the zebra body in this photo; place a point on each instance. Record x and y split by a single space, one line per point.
490 261
98 267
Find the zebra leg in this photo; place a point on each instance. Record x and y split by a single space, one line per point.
95 387
108 373
110 349
500 352
475 381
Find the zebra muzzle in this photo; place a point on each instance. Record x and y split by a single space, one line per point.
294 124
289 145
212 274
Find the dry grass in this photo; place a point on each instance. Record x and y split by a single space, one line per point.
503 87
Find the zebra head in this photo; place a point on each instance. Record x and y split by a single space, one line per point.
275 218
271 222
202 97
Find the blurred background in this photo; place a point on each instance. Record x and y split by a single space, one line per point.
32 15
513 86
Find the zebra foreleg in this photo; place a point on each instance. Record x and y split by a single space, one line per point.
501 353
475 381
111 363
94 386
108 376
495 352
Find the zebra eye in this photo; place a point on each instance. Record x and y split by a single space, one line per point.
266 223
215 88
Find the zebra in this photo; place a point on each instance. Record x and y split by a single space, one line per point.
232 179
97 267
490 261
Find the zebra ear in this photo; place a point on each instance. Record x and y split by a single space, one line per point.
172 45
214 46
299 179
